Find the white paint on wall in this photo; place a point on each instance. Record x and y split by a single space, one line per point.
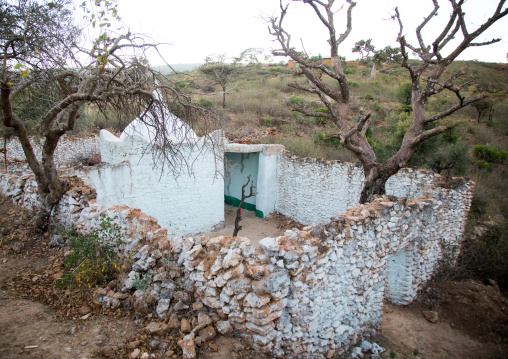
312 191
187 202
268 186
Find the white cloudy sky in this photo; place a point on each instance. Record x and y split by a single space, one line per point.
197 28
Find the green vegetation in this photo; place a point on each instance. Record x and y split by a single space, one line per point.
263 98
92 260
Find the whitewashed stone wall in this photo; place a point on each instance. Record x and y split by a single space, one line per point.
320 290
313 190
188 201
70 150
309 293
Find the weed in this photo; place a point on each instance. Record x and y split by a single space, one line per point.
268 122
322 120
368 96
141 283
93 260
295 100
392 354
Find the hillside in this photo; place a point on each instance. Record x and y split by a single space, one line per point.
260 109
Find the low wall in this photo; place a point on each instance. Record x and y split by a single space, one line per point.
313 292
70 149
313 190
317 291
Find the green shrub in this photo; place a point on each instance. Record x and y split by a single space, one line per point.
350 70
92 260
353 83
489 154
486 255
483 165
404 93
206 103
295 100
268 122
322 120
297 116
324 139
376 106
368 96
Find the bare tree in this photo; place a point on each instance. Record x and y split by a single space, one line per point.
44 56
425 76
251 193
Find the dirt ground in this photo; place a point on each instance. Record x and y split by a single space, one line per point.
253 227
39 321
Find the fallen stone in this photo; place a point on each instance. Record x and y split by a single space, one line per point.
197 306
84 310
162 307
224 327
179 306
108 352
134 344
174 322
121 296
135 353
157 328
203 318
207 333
431 316
188 348
185 326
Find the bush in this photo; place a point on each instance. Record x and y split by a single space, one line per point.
93 260
206 103
486 256
368 96
489 154
295 100
297 116
404 93
322 120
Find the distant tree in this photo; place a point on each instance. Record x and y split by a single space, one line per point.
425 76
44 57
364 48
220 72
249 55
388 54
483 107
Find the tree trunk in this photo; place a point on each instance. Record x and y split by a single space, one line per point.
53 190
223 96
375 181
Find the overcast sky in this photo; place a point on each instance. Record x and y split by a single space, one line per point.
198 28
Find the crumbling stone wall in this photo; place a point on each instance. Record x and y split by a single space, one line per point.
312 292
313 190
186 199
70 150
319 290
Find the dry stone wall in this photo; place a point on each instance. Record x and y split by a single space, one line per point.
313 190
309 293
70 150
